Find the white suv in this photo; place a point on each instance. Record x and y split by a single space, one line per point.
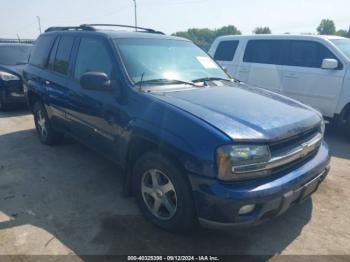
312 69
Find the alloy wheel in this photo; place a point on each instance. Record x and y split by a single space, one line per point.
41 124
159 194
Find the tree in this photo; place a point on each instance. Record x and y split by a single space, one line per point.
262 30
326 27
204 36
342 33
227 30
348 34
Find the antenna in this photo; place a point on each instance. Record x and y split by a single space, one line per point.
141 81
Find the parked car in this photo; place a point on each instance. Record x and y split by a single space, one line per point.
312 69
194 144
13 57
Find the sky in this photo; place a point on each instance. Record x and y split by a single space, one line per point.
297 16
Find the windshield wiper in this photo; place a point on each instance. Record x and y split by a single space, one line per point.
165 81
206 79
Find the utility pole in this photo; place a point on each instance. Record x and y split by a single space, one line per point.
39 23
135 8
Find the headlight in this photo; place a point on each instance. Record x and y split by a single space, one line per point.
8 77
241 161
323 127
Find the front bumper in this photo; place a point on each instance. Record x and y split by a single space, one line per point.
13 92
218 203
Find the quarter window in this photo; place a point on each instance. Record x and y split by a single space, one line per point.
264 52
92 56
226 50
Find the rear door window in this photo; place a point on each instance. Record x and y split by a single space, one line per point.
61 63
264 52
226 50
41 51
307 54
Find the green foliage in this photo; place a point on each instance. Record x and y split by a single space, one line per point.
204 36
342 33
262 30
326 27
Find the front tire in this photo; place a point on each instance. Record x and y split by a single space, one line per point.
163 193
47 135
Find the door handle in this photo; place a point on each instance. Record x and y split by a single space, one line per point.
291 75
243 70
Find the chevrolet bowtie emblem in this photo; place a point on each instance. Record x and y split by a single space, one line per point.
306 149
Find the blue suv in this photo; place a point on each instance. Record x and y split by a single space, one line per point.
195 145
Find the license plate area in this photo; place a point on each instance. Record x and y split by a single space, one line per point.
297 196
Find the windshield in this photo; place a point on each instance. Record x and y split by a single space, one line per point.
343 45
14 55
158 59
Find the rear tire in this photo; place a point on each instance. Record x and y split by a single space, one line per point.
163 193
47 135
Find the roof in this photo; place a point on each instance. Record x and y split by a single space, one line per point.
285 36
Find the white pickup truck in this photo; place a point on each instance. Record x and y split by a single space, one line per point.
312 69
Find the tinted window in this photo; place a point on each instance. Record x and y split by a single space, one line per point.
14 55
226 50
307 54
52 57
92 56
64 48
264 52
41 51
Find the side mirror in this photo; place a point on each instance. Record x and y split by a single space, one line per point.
95 81
330 63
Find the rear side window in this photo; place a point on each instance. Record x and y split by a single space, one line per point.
92 56
307 54
41 51
226 50
264 52
61 64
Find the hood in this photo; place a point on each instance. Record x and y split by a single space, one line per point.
245 113
13 69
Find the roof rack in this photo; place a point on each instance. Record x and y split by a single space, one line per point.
69 28
91 27
147 30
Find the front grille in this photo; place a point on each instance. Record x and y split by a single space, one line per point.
292 142
281 147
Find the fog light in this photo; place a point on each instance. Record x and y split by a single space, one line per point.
246 209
